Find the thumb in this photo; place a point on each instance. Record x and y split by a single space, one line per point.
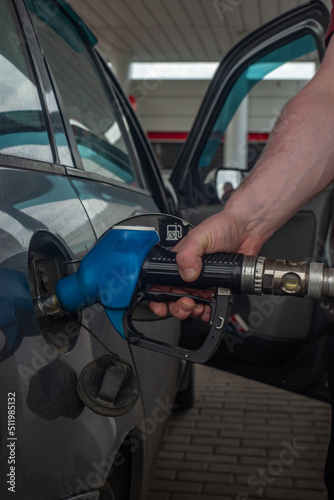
189 263
219 232
189 253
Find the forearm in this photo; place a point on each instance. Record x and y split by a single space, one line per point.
296 165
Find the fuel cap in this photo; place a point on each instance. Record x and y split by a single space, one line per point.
108 386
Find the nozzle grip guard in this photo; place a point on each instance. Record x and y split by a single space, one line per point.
220 309
220 270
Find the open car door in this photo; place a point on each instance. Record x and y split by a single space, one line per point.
282 341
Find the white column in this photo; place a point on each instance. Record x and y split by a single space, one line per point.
236 138
121 63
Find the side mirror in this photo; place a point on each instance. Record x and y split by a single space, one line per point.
221 182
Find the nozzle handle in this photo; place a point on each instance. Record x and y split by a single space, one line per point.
220 270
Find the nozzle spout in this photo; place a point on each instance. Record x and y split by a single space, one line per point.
46 305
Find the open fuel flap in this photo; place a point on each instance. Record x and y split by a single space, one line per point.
48 262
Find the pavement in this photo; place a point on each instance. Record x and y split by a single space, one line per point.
243 440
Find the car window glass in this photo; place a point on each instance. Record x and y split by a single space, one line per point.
258 101
92 115
23 130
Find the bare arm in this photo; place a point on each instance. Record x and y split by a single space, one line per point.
297 164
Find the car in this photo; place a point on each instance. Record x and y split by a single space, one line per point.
75 161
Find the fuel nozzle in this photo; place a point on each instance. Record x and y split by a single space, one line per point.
129 259
119 271
246 274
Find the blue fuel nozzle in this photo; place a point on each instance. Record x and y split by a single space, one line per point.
109 273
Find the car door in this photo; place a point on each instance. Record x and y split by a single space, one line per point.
285 340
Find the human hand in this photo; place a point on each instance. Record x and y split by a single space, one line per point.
222 232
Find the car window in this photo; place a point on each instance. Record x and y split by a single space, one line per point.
264 95
23 129
92 115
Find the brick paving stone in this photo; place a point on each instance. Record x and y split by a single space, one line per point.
223 489
205 477
307 454
223 412
234 426
250 470
201 418
242 434
233 468
268 428
278 482
177 438
230 446
274 444
289 435
188 448
183 465
164 474
228 459
225 450
216 441
199 432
